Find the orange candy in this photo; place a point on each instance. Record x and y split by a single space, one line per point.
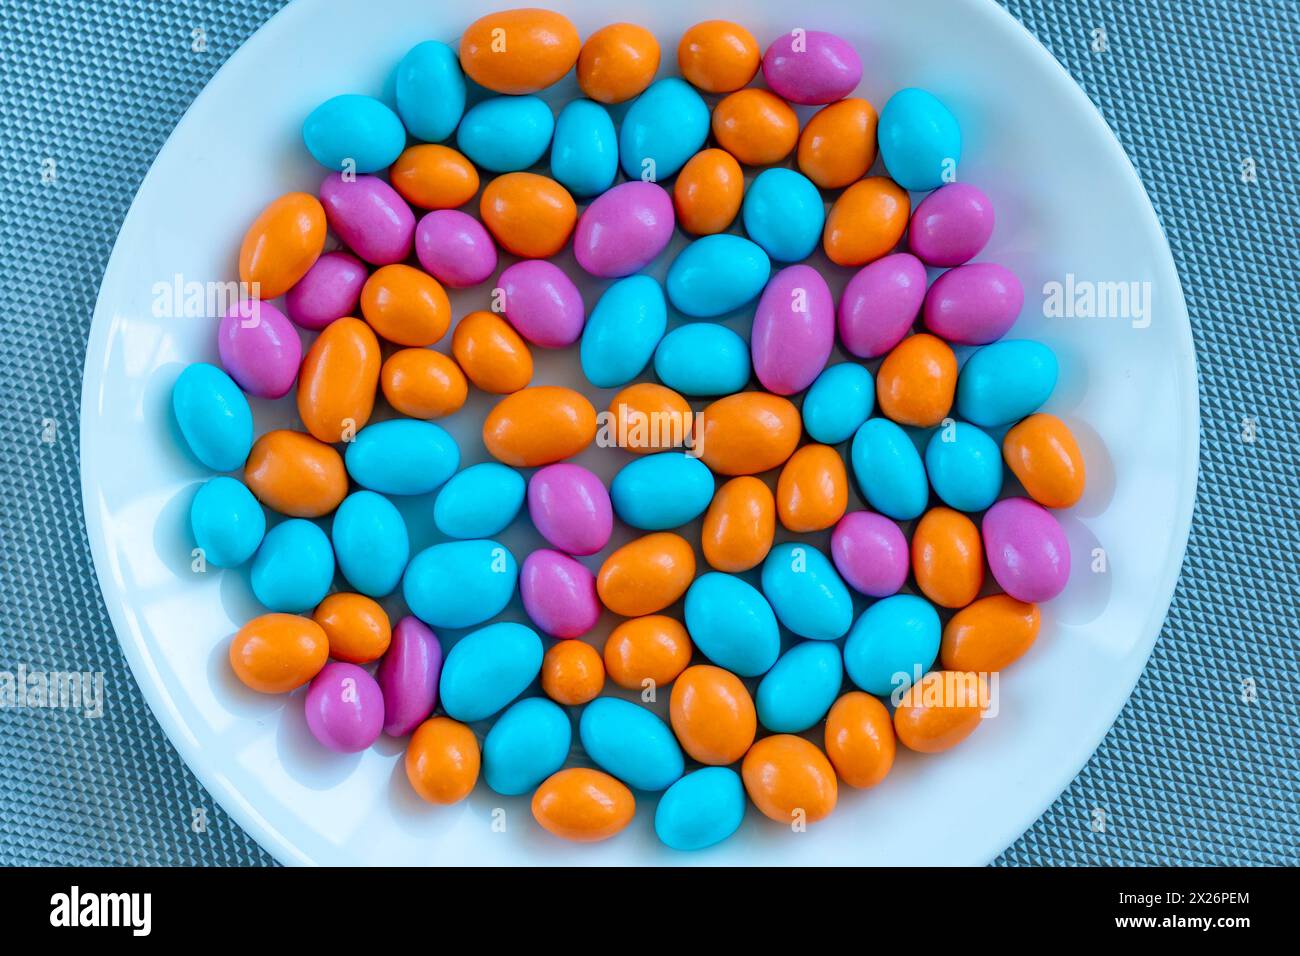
916 381
838 145
708 192
442 760
336 386
866 221
539 425
296 475
712 715
583 805
493 355
277 653
748 433
1042 453
989 635
940 711
528 215
655 648
860 740
648 417
357 627
646 575
789 779
283 242
739 526
617 62
422 383
572 673
756 126
718 56
813 489
518 51
947 557
405 305
434 177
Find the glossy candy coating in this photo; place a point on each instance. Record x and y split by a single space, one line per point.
283 242
806 592
940 711
572 673
429 88
838 144
583 805
492 354
880 303
732 624
559 594
859 740
277 653
460 583
293 567
865 222
1027 550
539 425
623 331
648 417
663 128
748 433
630 742
371 543
889 471
701 809
892 642
646 574
708 192
409 676
369 216
519 51
406 306
1006 381
486 669
570 508
455 248
951 226
402 456
965 466
624 229
716 274
345 708
213 416
357 627
529 216
259 348
584 149
871 553
542 303
916 381
947 558
739 526
839 400
227 522
718 56
811 67
479 501
788 778
702 359
329 290
506 134
661 492
988 635
974 304
712 715
1042 453
353 132
295 474
813 489
783 212
800 688
442 761
434 177
654 648
617 62
756 126
920 141
527 744
338 380
422 383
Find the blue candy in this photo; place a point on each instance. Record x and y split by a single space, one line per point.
1005 382
716 274
631 743
584 151
663 491
479 502
460 583
838 402
663 128
920 141
703 359
965 466
806 592
701 809
487 669
505 134
622 331
370 543
800 688
294 567
783 212
430 91
889 470
354 133
732 624
527 744
402 456
213 416
228 522
892 644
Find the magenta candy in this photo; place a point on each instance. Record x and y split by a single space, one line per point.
570 508
542 303
455 248
408 676
1026 549
345 708
329 291
559 594
870 553
951 225
259 348
369 216
794 330
823 70
974 304
624 229
880 304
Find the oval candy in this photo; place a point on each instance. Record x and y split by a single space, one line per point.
542 303
570 508
947 558
951 225
839 400
880 304
631 743
259 347
293 567
408 675
811 67
793 331
646 574
584 149
661 130
989 634
583 805
227 522
355 133
813 489
527 744
871 553
663 491
708 192
617 62
337 383
646 652
747 433
345 708
371 543
506 134
624 329
278 653
529 216
920 141
429 88
732 624
916 381
800 688
1004 382
1027 551
806 592
213 416
702 359
701 809
974 304
739 526
492 354
402 456
519 51
295 474
859 740
329 290
892 644
486 669
965 466
281 245
1042 453
357 627
442 761
559 594
479 501
712 715
940 711
624 229
889 471
539 425
717 274
434 177
789 780
422 383
461 584
455 248
369 216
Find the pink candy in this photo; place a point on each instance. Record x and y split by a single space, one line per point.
951 225
259 348
345 708
1026 549
329 291
811 67
369 216
880 304
570 507
794 330
624 229
559 594
455 248
542 303
408 676
974 304
870 553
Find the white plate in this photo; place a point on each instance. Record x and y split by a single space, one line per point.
1067 201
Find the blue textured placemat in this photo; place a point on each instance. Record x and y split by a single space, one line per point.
1201 766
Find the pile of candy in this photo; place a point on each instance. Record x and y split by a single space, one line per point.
393 271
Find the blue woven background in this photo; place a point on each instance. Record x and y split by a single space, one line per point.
1197 770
